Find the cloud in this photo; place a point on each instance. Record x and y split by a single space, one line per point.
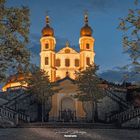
118 76
104 5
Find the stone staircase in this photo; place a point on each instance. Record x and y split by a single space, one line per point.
8 113
125 115
14 100
110 93
19 95
17 117
13 115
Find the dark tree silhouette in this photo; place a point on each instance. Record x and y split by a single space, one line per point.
14 31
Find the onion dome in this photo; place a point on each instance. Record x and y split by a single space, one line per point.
47 30
86 30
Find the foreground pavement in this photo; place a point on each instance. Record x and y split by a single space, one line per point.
67 133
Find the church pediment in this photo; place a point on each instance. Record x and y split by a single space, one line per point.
67 49
67 85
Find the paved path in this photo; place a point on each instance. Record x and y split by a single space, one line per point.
63 134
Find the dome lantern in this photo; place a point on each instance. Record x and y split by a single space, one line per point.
86 30
47 30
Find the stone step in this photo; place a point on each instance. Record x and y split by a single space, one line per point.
68 125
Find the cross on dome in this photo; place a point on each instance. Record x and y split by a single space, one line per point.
67 44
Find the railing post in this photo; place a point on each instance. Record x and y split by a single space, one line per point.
16 119
59 118
119 122
28 119
75 117
138 122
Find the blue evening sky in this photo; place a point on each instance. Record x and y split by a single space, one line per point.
67 20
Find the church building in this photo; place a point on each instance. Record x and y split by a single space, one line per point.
67 60
62 65
119 104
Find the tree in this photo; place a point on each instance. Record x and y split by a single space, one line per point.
40 86
14 31
130 25
89 88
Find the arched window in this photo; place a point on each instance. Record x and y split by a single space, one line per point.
67 62
46 45
88 61
76 62
57 62
46 61
87 46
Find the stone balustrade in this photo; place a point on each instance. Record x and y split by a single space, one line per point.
13 115
116 98
125 116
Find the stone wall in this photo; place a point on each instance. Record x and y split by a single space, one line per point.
106 106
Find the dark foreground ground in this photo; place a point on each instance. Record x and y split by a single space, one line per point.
67 134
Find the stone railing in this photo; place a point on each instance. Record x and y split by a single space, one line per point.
16 99
13 115
125 116
7 113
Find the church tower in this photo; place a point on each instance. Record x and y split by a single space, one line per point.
47 54
86 43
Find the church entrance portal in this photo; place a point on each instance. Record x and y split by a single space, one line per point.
67 112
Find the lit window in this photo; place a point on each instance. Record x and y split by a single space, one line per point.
67 51
77 62
87 45
88 61
57 62
67 62
46 61
46 46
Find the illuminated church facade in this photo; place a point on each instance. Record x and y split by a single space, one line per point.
67 60
62 65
